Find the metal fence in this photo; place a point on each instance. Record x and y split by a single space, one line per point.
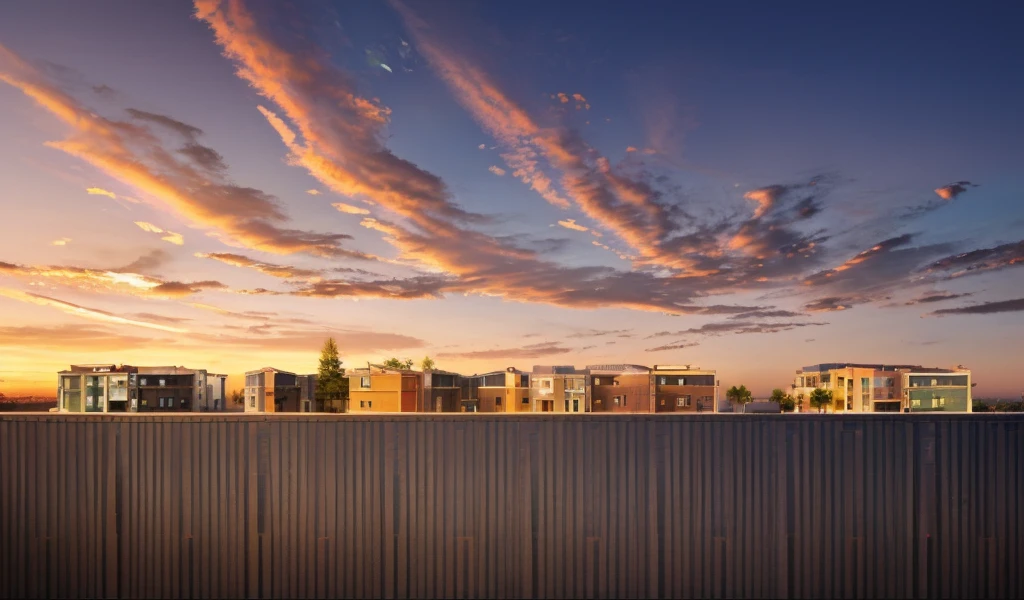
617 506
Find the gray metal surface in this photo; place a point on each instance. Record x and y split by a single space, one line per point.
541 506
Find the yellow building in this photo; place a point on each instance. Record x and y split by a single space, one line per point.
378 389
499 391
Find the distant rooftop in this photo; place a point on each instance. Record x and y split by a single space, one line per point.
618 368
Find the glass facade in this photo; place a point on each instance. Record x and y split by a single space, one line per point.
938 399
95 393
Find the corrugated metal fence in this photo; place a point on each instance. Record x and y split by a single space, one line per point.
484 506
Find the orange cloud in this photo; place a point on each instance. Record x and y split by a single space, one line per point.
348 208
93 191
134 153
627 207
313 192
118 281
61 242
496 170
337 136
282 271
168 236
85 312
572 224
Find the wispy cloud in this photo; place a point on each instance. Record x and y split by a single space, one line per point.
496 170
985 308
167 236
122 280
601 333
975 262
675 346
282 271
95 191
188 180
61 242
733 327
936 297
85 312
71 335
349 209
572 224
313 192
951 191
528 351
830 304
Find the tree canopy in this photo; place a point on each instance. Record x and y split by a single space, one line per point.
427 364
785 401
821 399
331 384
394 363
739 395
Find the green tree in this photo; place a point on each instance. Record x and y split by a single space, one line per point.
785 401
331 384
237 397
980 406
394 363
821 399
739 395
427 364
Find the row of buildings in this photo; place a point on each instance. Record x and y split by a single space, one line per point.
620 388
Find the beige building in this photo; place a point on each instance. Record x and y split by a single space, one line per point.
123 388
560 389
885 388
269 390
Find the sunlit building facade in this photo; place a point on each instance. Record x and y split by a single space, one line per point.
560 389
125 388
885 388
379 389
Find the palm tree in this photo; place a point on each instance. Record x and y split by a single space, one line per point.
821 399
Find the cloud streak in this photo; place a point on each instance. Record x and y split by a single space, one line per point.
986 308
189 181
123 280
528 351
85 312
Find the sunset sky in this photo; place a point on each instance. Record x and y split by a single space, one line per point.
747 187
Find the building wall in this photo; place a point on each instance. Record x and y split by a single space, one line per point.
673 398
938 392
388 392
635 387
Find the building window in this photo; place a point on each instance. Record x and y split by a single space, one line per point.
617 400
597 381
683 402
526 399
623 399
369 404
497 400
362 404
682 381
142 381
364 382
163 382
252 401
662 380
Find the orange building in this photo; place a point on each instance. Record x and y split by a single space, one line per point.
498 391
378 389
